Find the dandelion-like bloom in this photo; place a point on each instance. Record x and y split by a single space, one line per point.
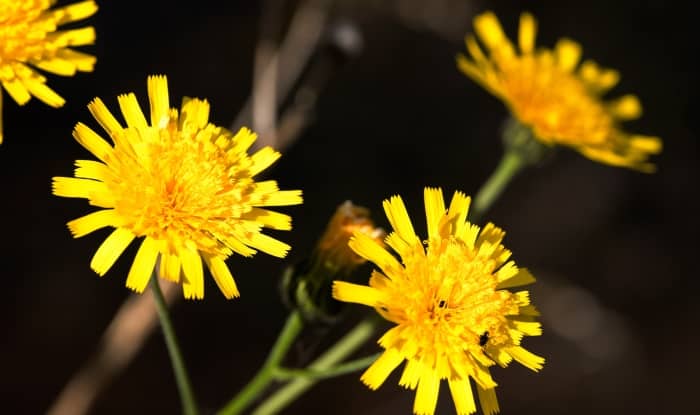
29 38
560 100
185 185
455 315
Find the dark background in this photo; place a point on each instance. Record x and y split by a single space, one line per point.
614 250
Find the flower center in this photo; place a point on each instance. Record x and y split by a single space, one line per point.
557 104
22 31
452 299
177 185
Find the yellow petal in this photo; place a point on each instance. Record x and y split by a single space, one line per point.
91 169
269 245
377 373
599 79
378 280
283 198
74 12
626 107
396 212
243 139
110 250
169 267
645 143
44 93
222 276
56 65
82 61
354 293
526 358
263 159
132 111
522 298
366 247
488 400
394 241
75 187
17 91
489 30
526 32
93 221
195 113
75 37
489 243
269 218
92 142
411 374
530 328
475 51
159 101
529 310
434 209
462 396
427 393
104 117
456 217
522 277
568 54
193 284
144 263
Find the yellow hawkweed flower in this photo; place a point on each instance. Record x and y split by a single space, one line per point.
450 301
184 184
28 38
545 91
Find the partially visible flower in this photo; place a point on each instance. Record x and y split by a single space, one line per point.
185 185
307 286
333 250
545 91
29 39
450 300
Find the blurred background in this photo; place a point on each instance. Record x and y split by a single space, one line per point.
371 104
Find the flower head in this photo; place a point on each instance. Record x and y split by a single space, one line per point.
306 287
29 39
449 299
560 100
185 185
332 249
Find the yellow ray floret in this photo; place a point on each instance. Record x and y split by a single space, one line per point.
182 184
29 39
561 104
454 314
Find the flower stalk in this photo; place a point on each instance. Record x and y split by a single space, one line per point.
268 371
184 386
325 364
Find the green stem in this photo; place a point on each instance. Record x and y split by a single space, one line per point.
189 407
267 372
511 163
337 353
342 369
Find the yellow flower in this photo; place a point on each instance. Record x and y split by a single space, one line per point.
184 184
28 38
560 100
450 301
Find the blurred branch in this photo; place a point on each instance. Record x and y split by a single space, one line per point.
126 334
276 70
